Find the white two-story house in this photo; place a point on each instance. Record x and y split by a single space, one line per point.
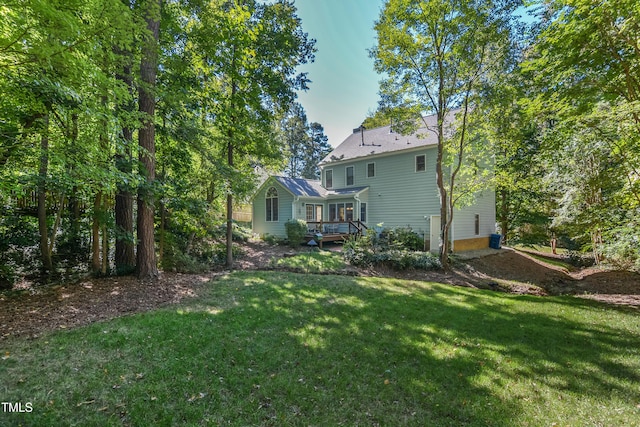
381 179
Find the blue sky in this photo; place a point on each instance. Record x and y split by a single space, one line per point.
344 87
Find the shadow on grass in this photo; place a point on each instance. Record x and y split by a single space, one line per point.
288 349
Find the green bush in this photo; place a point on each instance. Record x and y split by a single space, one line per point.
7 277
404 238
578 259
296 230
368 251
623 253
240 233
274 240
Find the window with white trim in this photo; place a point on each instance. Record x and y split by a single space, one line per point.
313 212
371 170
328 178
272 204
350 172
421 163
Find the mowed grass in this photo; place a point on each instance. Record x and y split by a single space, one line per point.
281 349
312 261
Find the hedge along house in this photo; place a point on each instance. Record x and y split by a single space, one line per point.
378 177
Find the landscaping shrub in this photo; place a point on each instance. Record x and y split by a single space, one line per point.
579 260
274 240
296 230
185 255
193 246
622 250
240 233
404 238
370 250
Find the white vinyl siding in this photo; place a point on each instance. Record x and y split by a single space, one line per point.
465 219
397 196
260 223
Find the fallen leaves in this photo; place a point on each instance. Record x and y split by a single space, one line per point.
195 397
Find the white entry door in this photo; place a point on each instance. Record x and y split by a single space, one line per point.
434 233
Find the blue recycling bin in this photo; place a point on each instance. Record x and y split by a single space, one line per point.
494 241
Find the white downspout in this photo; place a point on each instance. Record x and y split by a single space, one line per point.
357 199
296 199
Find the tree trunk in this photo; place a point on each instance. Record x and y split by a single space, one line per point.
230 163
163 225
444 202
105 249
95 234
230 213
47 262
504 214
125 256
74 203
146 266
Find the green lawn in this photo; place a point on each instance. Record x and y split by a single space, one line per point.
274 349
312 261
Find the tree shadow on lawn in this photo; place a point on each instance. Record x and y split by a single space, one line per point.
288 349
445 353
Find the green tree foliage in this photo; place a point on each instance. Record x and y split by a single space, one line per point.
250 51
294 132
523 203
437 56
307 144
57 71
72 72
586 64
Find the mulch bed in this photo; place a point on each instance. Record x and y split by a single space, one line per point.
34 311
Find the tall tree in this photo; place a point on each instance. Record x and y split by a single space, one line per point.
306 144
586 63
317 150
125 257
146 265
251 51
294 130
437 55
587 54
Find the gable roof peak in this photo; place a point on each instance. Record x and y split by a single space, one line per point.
383 139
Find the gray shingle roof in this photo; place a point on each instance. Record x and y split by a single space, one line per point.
383 140
311 188
302 187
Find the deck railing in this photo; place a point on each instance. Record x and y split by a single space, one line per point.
337 227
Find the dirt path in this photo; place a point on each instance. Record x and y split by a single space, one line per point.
30 313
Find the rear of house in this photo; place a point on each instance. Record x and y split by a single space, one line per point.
381 179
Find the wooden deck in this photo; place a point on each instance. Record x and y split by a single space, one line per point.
333 231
